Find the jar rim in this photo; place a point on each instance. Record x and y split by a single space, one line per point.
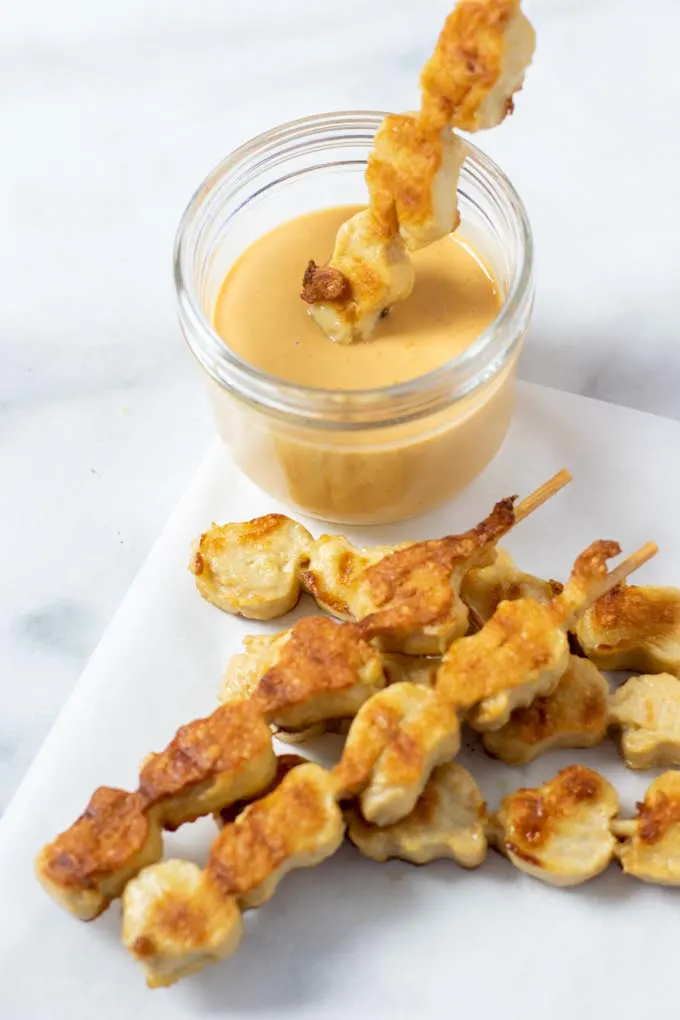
350 409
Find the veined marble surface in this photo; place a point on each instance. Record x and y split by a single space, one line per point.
111 114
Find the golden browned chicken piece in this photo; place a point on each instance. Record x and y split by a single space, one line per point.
175 921
397 738
251 569
334 567
210 763
412 174
646 711
478 65
576 714
634 627
90 863
318 670
650 849
448 821
298 825
484 588
559 832
325 670
520 654
375 270
284 764
245 670
522 651
408 601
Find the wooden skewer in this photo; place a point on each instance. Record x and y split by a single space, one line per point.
631 563
542 494
580 594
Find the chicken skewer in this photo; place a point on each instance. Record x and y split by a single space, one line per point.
412 174
565 832
394 742
209 764
259 568
522 651
398 736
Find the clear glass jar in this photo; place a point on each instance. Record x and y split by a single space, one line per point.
364 456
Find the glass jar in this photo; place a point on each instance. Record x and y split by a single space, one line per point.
362 456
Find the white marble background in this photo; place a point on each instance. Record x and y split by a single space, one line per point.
110 115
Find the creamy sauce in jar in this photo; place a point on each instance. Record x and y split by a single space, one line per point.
372 475
261 317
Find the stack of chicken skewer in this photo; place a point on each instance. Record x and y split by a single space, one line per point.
409 663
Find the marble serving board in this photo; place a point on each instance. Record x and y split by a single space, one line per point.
354 938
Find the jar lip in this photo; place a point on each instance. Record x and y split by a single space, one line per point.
399 402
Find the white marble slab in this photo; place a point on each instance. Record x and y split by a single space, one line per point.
110 116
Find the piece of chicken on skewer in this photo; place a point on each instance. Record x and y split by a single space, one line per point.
252 568
646 713
333 569
559 832
634 627
448 821
408 602
484 588
576 714
317 672
650 847
412 175
176 922
209 764
177 918
89 865
397 738
323 670
522 651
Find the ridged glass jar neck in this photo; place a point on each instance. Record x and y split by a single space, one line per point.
300 154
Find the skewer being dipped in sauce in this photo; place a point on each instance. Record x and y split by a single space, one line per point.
412 175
